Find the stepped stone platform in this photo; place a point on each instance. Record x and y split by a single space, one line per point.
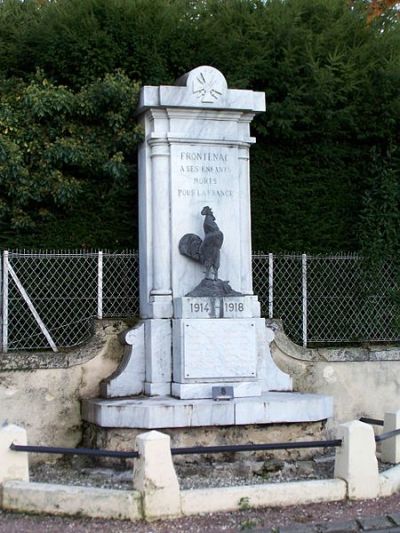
167 412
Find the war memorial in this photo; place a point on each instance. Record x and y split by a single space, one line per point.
200 354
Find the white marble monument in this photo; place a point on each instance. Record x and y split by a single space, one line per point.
201 331
196 154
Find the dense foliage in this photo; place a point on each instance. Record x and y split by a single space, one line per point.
325 150
66 162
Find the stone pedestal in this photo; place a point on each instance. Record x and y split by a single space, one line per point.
196 154
201 325
215 344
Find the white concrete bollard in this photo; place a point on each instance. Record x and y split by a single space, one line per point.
356 461
155 477
391 447
13 465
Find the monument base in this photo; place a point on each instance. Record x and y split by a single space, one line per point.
187 391
241 358
124 439
167 412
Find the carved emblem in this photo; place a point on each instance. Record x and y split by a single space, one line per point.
206 88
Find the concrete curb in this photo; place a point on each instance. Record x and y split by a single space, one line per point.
389 481
22 496
53 499
267 495
157 494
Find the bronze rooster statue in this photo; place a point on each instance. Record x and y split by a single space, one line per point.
206 251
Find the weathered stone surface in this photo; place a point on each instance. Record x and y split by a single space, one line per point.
229 498
129 378
68 500
356 461
158 346
155 477
349 382
46 401
220 349
169 412
200 144
104 339
391 447
389 481
197 391
13 465
198 139
124 438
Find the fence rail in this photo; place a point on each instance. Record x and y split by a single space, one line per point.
50 299
332 443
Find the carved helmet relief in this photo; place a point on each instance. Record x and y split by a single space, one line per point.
207 84
205 88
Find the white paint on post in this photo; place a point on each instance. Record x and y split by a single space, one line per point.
32 308
13 465
5 303
391 447
100 286
155 477
356 461
304 290
271 285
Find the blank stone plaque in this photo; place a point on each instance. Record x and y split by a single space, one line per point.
215 349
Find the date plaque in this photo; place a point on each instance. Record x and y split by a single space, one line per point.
216 307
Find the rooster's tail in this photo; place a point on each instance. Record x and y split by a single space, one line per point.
189 245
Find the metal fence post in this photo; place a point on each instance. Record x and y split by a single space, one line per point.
5 303
304 296
271 285
100 286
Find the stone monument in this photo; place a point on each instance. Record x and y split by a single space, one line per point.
201 336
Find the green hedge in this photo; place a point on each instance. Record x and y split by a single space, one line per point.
332 84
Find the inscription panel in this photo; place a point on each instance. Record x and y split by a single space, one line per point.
204 175
218 349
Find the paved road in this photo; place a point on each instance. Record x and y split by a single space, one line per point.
389 523
334 517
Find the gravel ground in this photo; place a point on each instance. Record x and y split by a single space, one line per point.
192 475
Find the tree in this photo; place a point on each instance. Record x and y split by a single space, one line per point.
332 85
59 148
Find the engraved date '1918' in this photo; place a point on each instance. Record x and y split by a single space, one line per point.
230 307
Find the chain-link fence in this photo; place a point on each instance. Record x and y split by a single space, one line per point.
51 299
327 299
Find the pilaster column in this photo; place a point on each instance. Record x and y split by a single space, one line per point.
246 274
161 246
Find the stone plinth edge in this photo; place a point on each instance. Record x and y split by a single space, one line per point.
168 412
